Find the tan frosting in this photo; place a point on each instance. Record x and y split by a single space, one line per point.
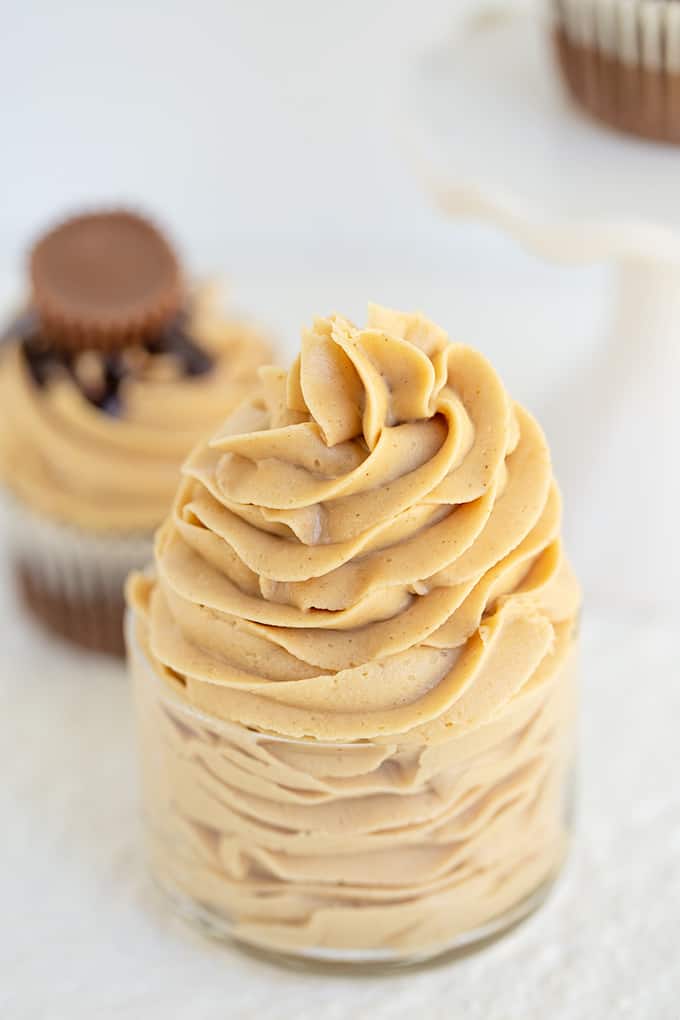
368 553
73 463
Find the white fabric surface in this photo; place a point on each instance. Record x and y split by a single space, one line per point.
84 934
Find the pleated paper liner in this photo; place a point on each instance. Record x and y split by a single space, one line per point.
72 580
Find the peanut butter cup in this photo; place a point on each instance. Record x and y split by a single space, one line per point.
105 280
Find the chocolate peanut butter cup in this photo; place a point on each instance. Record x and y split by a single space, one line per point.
105 280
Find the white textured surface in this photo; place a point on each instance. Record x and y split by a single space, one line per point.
84 935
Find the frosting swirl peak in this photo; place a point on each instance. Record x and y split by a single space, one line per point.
368 548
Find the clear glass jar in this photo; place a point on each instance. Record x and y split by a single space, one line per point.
377 853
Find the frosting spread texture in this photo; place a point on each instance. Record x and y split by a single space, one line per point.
365 561
117 473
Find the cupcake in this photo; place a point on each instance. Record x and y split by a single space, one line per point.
107 380
354 657
621 62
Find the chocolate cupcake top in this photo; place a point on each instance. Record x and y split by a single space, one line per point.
112 373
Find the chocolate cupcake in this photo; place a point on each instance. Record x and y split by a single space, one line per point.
621 62
107 380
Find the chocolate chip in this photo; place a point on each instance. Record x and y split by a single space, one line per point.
114 371
42 362
177 341
111 405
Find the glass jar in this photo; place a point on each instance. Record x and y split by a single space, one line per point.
374 852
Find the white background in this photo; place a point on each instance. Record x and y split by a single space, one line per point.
257 130
271 139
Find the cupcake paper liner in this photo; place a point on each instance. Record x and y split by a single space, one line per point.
70 579
621 61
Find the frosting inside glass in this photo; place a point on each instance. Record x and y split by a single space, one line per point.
354 658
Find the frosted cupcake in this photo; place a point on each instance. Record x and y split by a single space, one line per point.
621 62
354 660
106 382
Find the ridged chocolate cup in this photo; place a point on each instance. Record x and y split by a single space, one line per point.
103 281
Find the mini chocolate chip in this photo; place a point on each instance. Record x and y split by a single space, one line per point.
114 371
42 362
176 340
111 405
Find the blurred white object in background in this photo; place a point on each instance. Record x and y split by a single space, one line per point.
518 154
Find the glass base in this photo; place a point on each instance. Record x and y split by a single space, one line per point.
363 961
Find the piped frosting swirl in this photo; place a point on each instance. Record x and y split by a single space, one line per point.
368 549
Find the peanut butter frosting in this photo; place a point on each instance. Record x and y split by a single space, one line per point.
361 629
117 473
